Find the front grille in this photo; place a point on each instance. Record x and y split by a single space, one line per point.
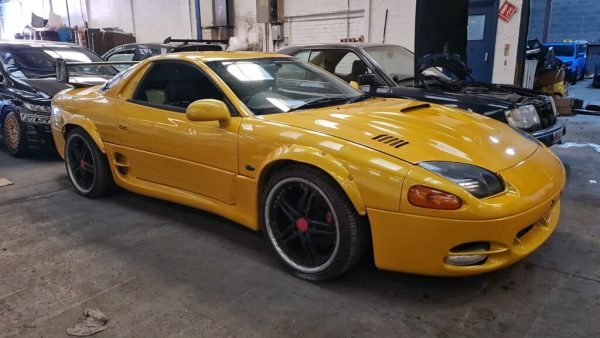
390 140
546 114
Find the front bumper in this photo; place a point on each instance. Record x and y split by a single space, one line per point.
418 244
503 228
37 129
552 134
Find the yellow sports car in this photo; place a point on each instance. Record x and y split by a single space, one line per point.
279 145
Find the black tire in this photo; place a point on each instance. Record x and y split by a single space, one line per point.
87 167
327 209
14 133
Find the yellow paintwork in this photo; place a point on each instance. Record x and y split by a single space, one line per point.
206 165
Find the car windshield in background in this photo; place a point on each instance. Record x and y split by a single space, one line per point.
396 61
40 62
270 86
563 50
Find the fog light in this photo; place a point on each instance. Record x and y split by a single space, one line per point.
465 260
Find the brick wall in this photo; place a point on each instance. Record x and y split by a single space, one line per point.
569 19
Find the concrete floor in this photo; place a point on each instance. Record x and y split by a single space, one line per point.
159 269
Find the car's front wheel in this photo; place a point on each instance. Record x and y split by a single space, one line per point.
311 224
13 133
87 167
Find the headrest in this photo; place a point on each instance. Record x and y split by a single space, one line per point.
359 67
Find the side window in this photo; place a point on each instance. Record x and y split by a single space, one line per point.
175 85
126 55
343 63
303 55
344 67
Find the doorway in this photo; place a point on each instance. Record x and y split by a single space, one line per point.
481 38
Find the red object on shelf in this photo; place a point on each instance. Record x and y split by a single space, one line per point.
506 11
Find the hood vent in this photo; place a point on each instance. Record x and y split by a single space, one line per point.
415 107
390 140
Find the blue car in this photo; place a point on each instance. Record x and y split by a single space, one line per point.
573 54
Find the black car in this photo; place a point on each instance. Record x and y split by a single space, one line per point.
387 70
141 51
28 83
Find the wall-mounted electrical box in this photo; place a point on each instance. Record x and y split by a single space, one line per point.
269 11
277 32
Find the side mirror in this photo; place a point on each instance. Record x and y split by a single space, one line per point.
367 80
209 110
354 85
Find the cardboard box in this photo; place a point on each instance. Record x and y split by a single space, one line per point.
564 105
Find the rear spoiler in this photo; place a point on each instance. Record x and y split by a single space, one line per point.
62 70
186 41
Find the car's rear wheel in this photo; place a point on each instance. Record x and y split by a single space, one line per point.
311 224
87 167
13 133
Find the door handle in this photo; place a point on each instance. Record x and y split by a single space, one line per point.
485 56
123 127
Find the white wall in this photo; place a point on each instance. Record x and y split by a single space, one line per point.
400 24
507 33
148 20
17 13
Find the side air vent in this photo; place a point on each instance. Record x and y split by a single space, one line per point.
390 140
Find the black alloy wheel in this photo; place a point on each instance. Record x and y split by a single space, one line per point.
311 224
87 167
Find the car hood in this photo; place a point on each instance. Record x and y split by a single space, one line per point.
429 132
46 87
49 87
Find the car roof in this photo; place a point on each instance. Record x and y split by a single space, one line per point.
140 44
38 43
208 56
344 45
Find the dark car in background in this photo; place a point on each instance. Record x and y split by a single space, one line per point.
141 51
28 83
387 70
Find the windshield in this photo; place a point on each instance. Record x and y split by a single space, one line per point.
270 86
397 62
563 50
37 62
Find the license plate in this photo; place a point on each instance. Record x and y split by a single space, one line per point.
557 135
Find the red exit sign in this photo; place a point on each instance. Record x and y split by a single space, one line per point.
506 11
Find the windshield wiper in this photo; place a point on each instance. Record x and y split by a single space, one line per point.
318 101
359 98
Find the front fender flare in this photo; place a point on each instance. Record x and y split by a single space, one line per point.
322 160
87 125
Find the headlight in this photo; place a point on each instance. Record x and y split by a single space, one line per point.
524 117
36 107
476 180
56 117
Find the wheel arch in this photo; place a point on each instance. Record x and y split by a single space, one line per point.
286 156
87 125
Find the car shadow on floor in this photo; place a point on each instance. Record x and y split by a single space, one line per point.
364 277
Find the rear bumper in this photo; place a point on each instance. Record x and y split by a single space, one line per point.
552 134
421 245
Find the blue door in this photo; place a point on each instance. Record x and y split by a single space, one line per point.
481 38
